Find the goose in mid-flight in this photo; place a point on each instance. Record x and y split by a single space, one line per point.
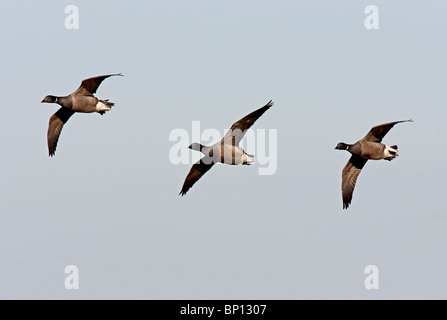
368 148
82 100
225 151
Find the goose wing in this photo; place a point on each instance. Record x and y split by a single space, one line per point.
89 86
349 178
55 125
377 133
239 128
197 171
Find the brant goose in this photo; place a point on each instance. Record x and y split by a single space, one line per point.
225 151
368 148
82 100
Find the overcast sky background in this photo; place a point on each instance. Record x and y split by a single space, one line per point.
108 201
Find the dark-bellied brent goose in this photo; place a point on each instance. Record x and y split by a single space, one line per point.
225 151
82 100
368 148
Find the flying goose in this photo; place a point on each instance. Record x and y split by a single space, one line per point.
368 148
226 151
82 100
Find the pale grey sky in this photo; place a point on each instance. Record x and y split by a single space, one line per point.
108 201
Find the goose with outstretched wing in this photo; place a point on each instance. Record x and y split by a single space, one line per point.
226 151
82 100
368 148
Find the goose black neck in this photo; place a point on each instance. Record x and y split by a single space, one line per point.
66 101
